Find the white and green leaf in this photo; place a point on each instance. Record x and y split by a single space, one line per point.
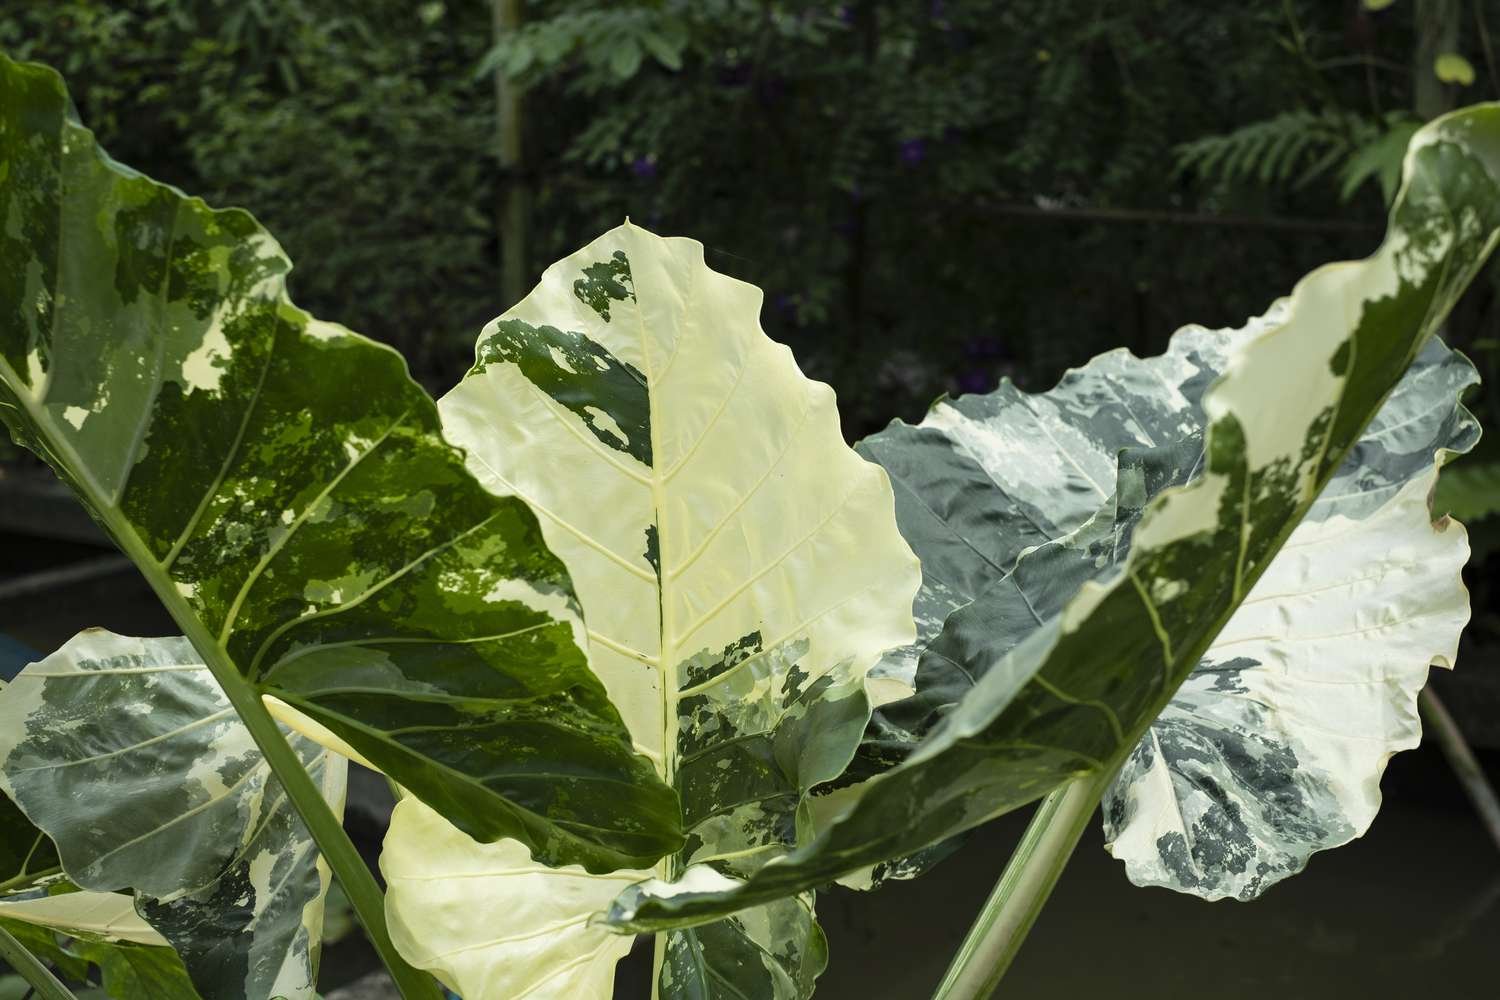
128 755
1077 692
285 488
1273 747
739 567
105 916
128 965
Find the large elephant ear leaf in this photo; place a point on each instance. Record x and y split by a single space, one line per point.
126 752
285 488
1273 747
740 570
1142 586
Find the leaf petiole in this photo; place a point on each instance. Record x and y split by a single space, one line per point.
31 969
1018 897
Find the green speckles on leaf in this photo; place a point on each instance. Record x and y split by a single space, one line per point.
608 395
605 281
706 666
128 754
286 488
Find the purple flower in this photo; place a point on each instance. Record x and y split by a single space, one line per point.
913 151
644 167
845 13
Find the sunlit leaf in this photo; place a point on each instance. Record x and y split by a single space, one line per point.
739 567
284 487
1121 630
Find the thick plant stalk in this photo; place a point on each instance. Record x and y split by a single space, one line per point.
1441 727
1022 891
327 831
29 967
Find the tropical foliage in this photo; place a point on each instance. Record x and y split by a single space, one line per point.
645 644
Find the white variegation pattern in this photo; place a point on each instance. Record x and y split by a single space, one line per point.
127 754
1072 699
740 572
110 916
1274 747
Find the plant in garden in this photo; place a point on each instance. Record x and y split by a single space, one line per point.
645 644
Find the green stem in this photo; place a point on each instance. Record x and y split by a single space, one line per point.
328 832
1442 728
31 969
28 878
1024 886
326 829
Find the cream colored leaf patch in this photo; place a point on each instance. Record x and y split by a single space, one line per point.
107 915
739 566
489 921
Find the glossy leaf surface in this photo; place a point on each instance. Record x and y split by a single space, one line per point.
284 486
739 567
1077 692
128 754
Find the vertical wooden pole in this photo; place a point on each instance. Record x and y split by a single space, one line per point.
1437 32
512 210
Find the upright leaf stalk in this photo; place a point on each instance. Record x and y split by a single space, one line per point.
1017 899
44 984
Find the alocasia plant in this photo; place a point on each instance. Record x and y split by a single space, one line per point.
679 461
614 612
1133 592
284 487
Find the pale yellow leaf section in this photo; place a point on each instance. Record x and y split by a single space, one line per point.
491 923
766 522
109 915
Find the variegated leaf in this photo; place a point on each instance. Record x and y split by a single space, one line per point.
1262 796
126 752
284 486
739 567
1076 694
984 480
75 930
1273 748
107 916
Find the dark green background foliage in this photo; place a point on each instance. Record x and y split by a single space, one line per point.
866 163
933 194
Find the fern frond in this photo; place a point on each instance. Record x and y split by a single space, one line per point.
1296 145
